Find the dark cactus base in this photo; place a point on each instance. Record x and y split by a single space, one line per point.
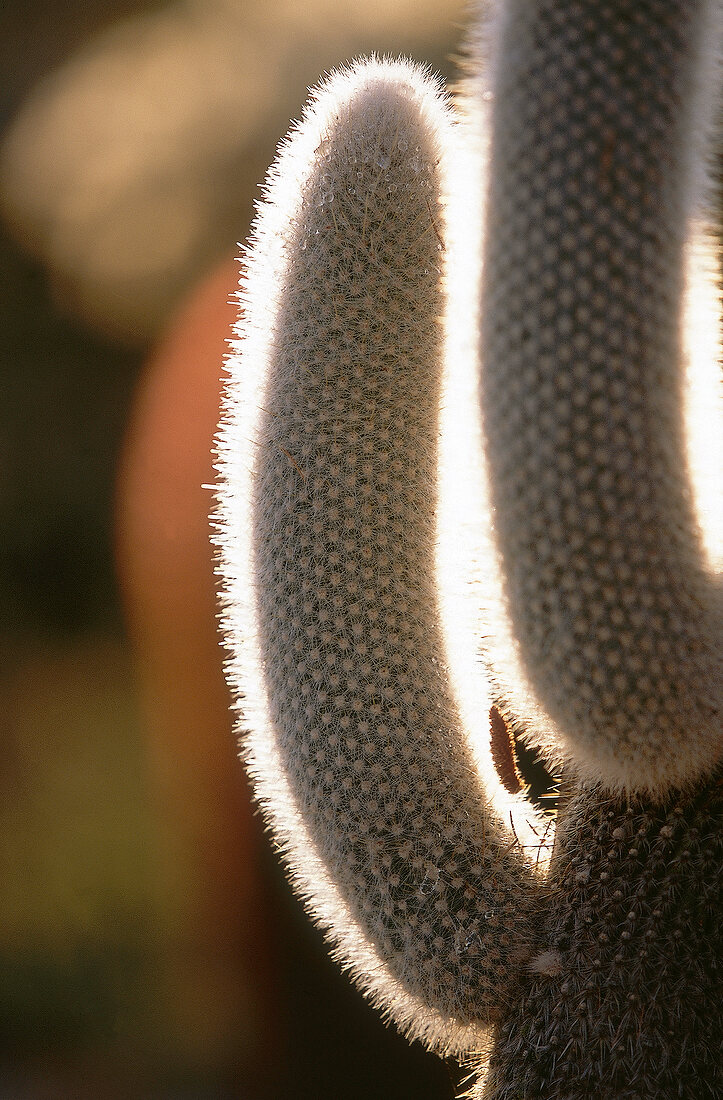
629 1006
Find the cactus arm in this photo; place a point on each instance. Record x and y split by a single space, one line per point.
599 123
328 460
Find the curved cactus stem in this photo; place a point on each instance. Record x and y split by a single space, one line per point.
328 456
599 122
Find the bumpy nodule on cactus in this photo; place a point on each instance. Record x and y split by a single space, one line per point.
622 1002
597 145
329 460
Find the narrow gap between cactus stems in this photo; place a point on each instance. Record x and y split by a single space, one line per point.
520 768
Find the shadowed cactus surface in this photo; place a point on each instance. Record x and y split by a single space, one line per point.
574 164
595 159
623 999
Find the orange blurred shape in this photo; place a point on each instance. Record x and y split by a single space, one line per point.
218 976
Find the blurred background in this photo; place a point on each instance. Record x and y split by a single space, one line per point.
149 946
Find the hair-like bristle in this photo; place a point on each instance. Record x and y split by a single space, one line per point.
597 151
328 456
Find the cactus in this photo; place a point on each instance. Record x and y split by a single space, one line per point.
458 499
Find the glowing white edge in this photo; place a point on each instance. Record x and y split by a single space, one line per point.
243 405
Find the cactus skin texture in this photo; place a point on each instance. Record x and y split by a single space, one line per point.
623 1000
593 975
341 552
594 153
